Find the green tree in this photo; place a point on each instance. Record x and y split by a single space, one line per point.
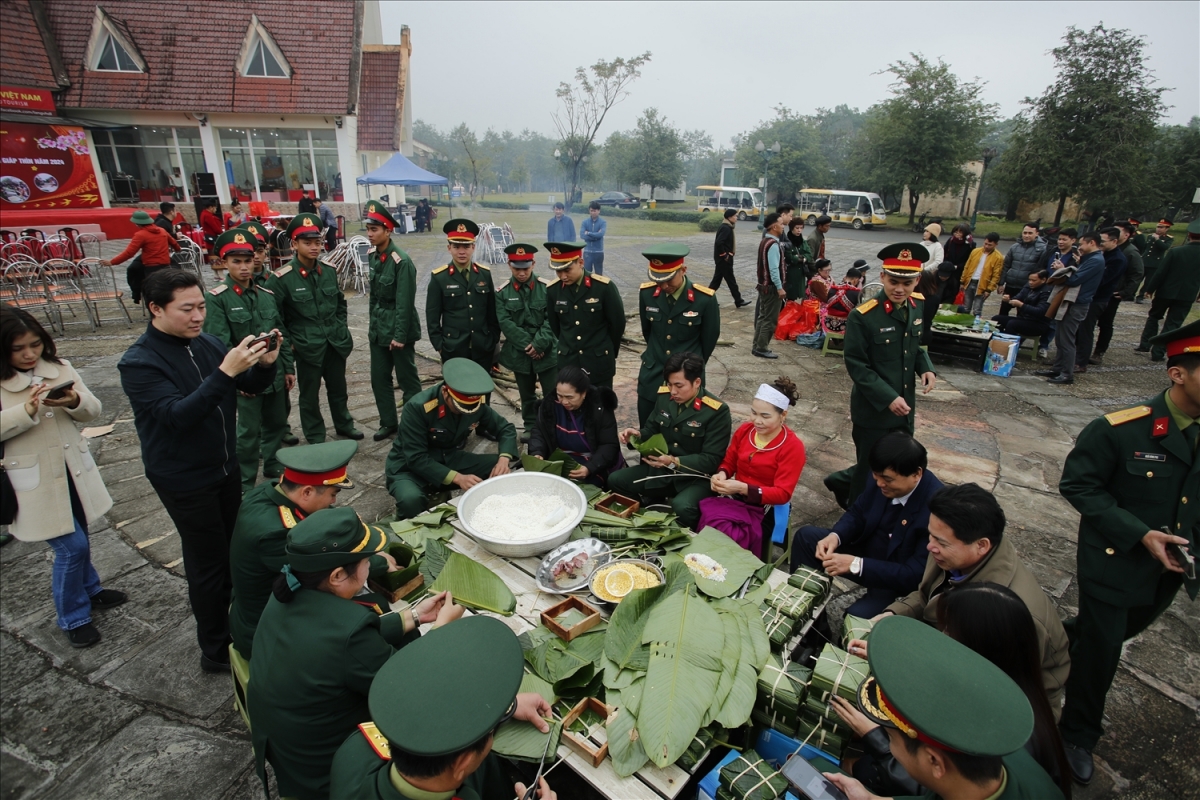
657 152
616 160
1177 164
837 129
475 160
702 161
923 134
799 164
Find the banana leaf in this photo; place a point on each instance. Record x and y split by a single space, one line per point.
533 637
436 554
739 564
600 519
417 536
532 683
758 632
568 464
474 585
519 740
591 492
685 636
731 654
749 777
656 445
677 573
624 743
855 628
535 464
735 711
623 639
405 559
437 517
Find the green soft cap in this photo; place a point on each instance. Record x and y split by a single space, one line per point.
1194 227
141 218
466 377
332 537
449 689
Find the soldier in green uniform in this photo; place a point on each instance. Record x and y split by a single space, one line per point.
697 428
237 308
314 311
528 341
1156 246
460 306
1134 477
955 721
678 316
1172 290
427 455
586 315
884 357
393 329
467 677
318 646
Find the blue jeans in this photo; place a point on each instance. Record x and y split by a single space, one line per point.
593 262
74 580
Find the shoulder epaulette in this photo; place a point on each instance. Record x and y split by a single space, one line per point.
917 296
284 270
262 288
601 278
648 284
288 518
431 405
441 269
377 740
396 257
1128 415
712 402
664 389
216 290
484 267
702 288
867 306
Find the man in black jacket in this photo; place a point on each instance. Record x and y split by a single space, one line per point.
183 385
723 249
1031 304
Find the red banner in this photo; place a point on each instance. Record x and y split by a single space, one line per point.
46 166
27 101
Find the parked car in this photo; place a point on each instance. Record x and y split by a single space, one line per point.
618 199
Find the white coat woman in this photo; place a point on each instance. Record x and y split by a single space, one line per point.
59 489
930 239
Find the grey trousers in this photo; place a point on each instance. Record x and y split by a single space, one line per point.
766 317
972 300
1064 339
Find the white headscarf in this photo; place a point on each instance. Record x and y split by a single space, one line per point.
772 396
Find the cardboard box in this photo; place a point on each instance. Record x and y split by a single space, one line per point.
1001 355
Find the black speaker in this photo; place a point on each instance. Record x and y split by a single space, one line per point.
206 183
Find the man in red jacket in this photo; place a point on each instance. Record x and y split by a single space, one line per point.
155 245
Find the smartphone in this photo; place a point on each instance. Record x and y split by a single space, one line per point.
270 339
1183 558
60 391
809 782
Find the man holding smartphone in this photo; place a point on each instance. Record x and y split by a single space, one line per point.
1132 473
239 307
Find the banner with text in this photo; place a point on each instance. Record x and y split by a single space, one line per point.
46 166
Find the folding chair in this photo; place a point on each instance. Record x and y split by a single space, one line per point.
83 243
7 236
360 251
58 246
72 236
60 278
99 283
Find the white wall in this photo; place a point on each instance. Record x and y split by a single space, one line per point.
347 145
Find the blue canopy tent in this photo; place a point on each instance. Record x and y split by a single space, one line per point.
399 171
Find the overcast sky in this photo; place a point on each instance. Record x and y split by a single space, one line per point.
496 65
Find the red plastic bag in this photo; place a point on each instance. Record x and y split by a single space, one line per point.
958 301
788 318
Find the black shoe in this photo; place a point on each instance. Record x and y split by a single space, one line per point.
211 666
1047 373
741 304
291 440
1140 349
1080 762
764 354
1152 358
108 598
482 434
1061 380
1081 369
353 433
1096 360
83 636
384 433
839 494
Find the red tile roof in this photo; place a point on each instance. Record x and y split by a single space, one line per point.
377 113
26 63
191 51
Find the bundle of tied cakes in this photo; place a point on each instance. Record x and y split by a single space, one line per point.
855 628
796 603
811 581
748 777
822 735
837 672
701 743
782 686
780 626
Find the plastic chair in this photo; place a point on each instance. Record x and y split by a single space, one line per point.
775 529
99 283
834 329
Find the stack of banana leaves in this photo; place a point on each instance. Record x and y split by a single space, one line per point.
644 532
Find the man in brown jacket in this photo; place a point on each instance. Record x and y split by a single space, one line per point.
967 545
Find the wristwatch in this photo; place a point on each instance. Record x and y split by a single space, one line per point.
856 566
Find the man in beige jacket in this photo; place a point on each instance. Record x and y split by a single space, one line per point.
967 545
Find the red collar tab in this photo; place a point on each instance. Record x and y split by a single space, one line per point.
441 410
238 289
1162 426
887 306
658 290
451 269
912 301
587 281
691 295
699 401
303 272
316 478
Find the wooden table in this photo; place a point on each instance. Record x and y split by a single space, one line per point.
966 345
648 783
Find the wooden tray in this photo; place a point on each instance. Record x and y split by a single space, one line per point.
581 744
591 618
631 506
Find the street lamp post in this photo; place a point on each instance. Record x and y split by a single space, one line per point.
988 154
766 153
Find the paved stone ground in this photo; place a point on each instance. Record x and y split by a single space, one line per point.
134 716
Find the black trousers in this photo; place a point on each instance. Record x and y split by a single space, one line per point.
1011 291
724 272
204 518
1104 325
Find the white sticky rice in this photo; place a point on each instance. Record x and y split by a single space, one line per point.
520 516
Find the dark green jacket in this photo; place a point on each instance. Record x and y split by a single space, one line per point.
314 310
430 434
1132 278
235 313
884 357
800 261
1131 471
1026 781
697 432
1178 275
691 324
360 772
521 312
460 311
314 660
393 309
1155 249
256 555
588 320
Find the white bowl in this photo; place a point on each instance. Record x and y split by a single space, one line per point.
515 483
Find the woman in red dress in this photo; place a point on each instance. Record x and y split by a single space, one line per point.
761 468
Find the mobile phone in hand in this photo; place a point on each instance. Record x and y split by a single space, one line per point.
269 338
60 391
809 782
1182 558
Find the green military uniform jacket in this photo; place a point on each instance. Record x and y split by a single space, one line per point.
314 660
1024 779
393 304
460 310
588 319
799 259
521 312
1178 275
884 357
235 313
314 310
430 434
1131 471
1155 249
362 771
697 432
691 324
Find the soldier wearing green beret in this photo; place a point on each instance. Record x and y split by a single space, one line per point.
427 455
586 315
314 311
678 316
460 305
697 428
237 308
528 341
1172 290
469 676
318 646
955 721
885 360
393 328
1134 477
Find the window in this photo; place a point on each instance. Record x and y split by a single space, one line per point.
161 160
263 64
280 162
261 56
111 47
114 58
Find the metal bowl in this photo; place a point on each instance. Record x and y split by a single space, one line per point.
637 561
515 483
597 551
